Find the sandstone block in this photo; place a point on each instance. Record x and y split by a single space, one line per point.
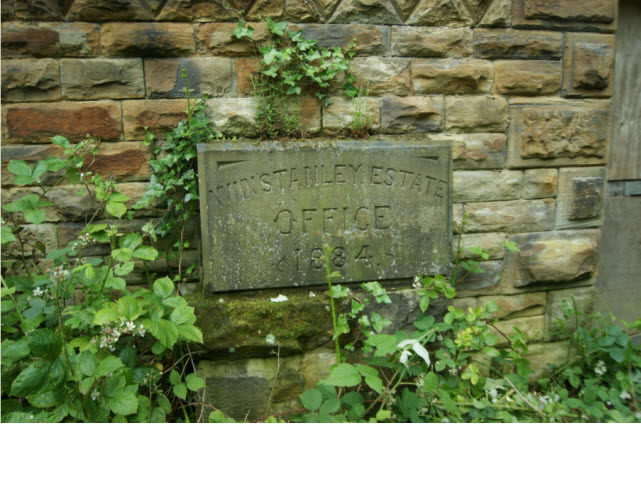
196 10
71 202
498 14
556 135
476 114
341 114
216 38
261 9
160 116
96 78
533 328
370 39
206 76
25 40
123 161
109 10
31 154
534 77
37 10
542 355
580 13
492 243
246 68
30 80
451 76
147 40
451 13
234 116
588 65
431 42
540 183
366 11
476 151
31 234
581 197
78 39
478 282
406 114
485 186
457 217
566 308
38 122
382 76
555 257
512 216
302 11
517 44
516 306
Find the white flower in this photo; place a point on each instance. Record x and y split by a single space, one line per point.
270 339
279 298
312 294
417 283
418 349
600 368
38 292
624 395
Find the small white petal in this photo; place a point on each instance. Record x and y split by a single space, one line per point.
420 350
279 298
405 343
405 357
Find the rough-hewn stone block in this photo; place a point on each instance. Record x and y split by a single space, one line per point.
558 324
160 116
366 11
517 44
575 14
206 76
37 10
38 122
581 197
339 116
532 77
147 40
30 80
492 243
498 14
511 306
96 78
486 186
246 69
234 116
123 161
431 42
560 134
451 13
476 151
475 283
216 38
540 183
476 114
303 11
25 40
451 76
542 355
32 234
555 257
31 154
407 114
382 76
370 39
196 10
511 216
109 10
533 328
588 65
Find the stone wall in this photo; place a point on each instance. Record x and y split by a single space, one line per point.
521 88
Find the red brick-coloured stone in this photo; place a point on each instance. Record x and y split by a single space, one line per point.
38 122
23 40
123 161
160 116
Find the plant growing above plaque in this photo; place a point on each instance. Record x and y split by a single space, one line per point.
268 208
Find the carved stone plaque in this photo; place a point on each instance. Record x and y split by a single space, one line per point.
267 209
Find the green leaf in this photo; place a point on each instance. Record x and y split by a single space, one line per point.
448 403
180 391
43 343
424 303
116 209
123 403
130 241
165 331
311 399
190 333
430 382
108 365
106 315
146 254
87 363
370 375
344 375
184 314
129 307
219 417
194 382
13 351
383 415
61 141
330 406
163 287
35 216
31 379
19 167
174 377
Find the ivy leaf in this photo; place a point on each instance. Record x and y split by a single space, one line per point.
344 375
123 403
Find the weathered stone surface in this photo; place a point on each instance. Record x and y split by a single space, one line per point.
476 151
246 68
431 42
234 116
303 11
588 64
31 234
533 328
477 282
451 76
370 39
408 114
216 38
382 76
160 116
476 114
532 77
38 122
25 40
554 257
262 9
513 306
30 80
517 44
67 204
562 319
542 354
378 12
404 308
206 76
77 39
574 14
31 154
499 14
452 13
96 78
195 10
108 10
37 10
340 115
381 206
512 216
492 243
457 217
123 161
558 135
581 197
147 40
486 186
540 183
